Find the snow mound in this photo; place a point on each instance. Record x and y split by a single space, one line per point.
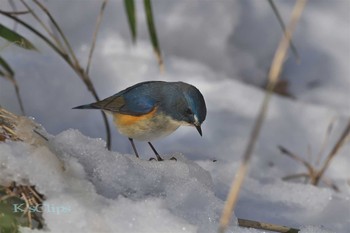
92 189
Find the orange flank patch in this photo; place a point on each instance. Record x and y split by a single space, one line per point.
125 120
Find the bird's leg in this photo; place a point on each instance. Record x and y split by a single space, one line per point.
133 147
155 152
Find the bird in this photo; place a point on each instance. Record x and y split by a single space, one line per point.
153 109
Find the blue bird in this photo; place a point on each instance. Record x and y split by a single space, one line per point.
153 109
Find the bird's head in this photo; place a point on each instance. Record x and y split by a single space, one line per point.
189 106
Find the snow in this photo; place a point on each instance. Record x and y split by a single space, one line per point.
91 189
103 191
226 55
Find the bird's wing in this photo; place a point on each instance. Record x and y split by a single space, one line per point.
134 101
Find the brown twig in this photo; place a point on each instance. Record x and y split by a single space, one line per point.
266 226
26 210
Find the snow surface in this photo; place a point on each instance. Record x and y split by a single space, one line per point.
214 47
91 189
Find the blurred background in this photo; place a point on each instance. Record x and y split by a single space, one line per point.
224 47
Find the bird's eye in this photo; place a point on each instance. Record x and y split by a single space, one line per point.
189 111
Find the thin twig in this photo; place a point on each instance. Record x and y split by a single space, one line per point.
36 194
19 98
14 9
325 141
297 158
27 211
41 135
316 175
333 153
309 151
280 20
17 12
98 22
274 73
65 40
266 226
12 79
295 176
58 43
330 184
9 130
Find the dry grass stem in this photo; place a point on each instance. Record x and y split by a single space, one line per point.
312 174
98 22
342 139
274 73
315 175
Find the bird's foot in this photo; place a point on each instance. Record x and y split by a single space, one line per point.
156 159
160 159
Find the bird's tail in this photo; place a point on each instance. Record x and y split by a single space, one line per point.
87 106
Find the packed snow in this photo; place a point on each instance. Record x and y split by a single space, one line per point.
224 50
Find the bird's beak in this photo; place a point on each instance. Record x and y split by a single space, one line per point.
198 127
